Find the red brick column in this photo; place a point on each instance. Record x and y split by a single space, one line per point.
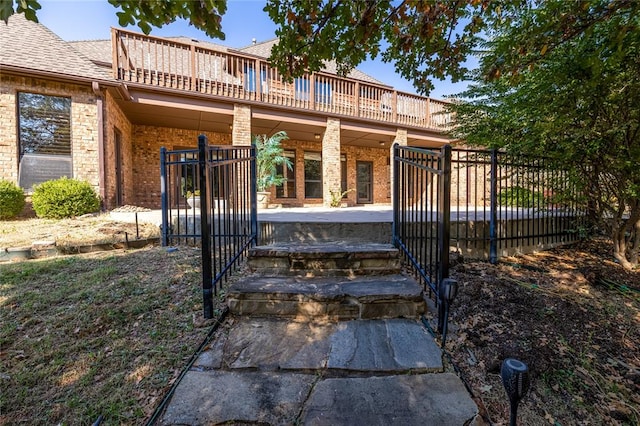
331 160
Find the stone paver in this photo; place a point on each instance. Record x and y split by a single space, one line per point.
425 399
215 397
383 346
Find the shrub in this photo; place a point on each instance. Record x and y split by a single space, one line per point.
64 197
11 199
518 196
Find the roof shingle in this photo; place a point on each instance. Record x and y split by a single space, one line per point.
30 45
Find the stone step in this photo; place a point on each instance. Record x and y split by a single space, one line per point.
330 259
280 372
327 230
333 298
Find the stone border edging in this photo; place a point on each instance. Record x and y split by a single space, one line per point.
40 251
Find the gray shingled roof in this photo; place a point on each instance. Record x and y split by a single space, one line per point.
33 46
95 50
263 49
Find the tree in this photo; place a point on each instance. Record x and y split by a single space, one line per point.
579 105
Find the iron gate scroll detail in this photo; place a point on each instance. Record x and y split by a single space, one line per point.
209 199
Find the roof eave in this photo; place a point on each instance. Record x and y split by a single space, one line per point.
67 78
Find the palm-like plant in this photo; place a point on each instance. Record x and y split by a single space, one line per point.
269 155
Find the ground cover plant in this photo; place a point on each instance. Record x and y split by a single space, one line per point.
104 334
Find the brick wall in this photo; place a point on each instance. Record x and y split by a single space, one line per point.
115 120
378 156
147 142
84 125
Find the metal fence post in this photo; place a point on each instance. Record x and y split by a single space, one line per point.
493 221
164 203
254 194
445 211
207 281
396 191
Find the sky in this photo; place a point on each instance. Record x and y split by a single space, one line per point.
243 21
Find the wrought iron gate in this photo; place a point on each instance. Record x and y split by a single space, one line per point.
421 210
209 199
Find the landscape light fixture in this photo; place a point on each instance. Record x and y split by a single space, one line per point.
515 378
447 292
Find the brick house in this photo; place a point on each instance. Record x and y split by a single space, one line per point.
101 110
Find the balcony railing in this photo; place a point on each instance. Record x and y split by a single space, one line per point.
166 63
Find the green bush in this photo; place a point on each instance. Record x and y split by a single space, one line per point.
518 196
57 199
11 199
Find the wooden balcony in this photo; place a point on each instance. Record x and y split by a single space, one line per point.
160 62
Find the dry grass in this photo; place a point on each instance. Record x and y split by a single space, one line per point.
72 232
100 334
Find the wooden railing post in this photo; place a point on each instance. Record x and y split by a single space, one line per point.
312 91
394 107
356 99
428 112
258 77
193 81
115 63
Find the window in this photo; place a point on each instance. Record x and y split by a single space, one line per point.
44 126
312 175
288 188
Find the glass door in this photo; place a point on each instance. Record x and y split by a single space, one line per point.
364 182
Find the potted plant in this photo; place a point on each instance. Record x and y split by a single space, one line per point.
269 155
193 199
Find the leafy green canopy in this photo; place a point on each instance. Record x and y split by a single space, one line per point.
578 103
270 155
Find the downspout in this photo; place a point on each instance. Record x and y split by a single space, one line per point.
101 155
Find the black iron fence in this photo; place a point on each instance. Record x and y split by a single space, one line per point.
209 199
480 203
503 204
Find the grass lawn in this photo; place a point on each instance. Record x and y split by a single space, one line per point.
98 334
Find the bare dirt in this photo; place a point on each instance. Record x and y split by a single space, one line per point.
572 315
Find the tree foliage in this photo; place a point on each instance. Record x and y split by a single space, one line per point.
427 39
269 155
579 104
